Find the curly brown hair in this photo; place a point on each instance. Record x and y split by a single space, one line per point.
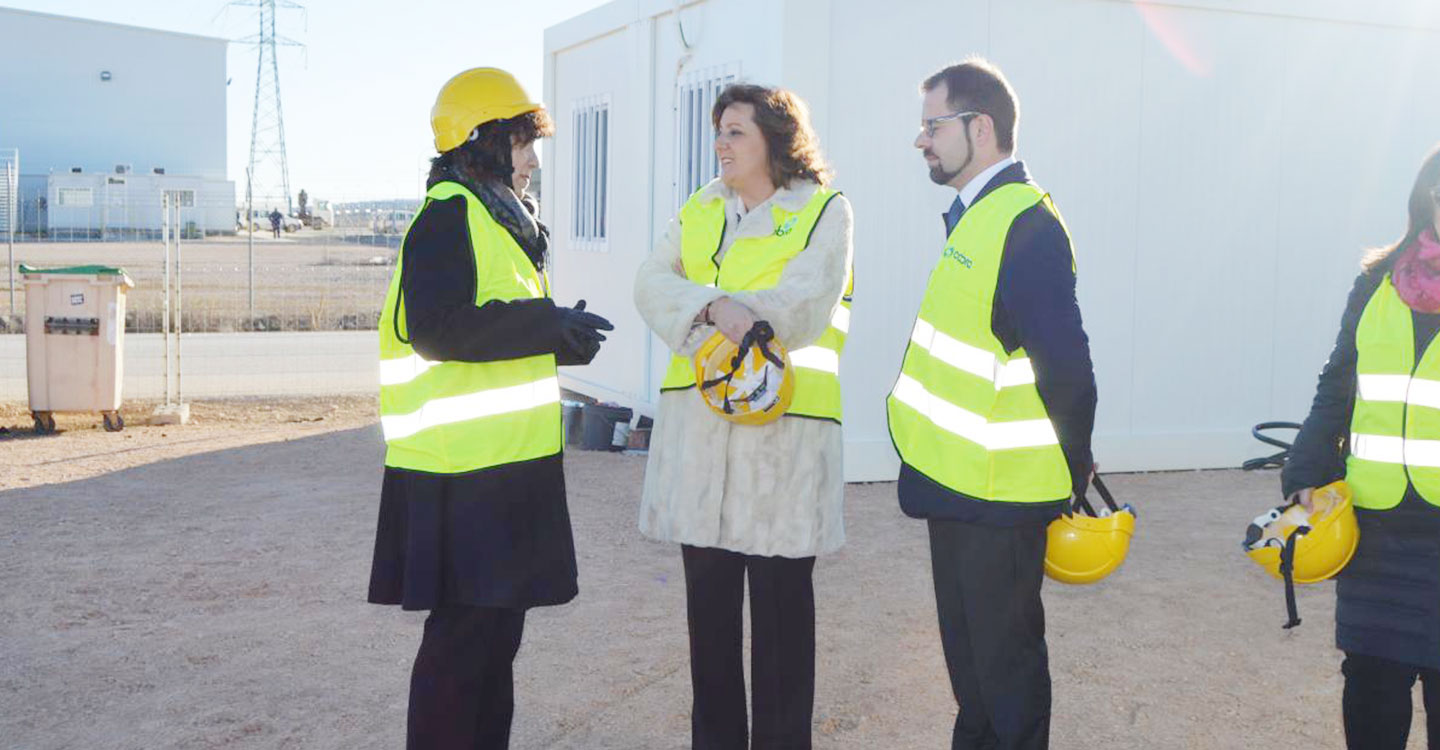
784 120
487 156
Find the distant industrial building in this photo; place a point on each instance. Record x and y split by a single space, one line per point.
106 118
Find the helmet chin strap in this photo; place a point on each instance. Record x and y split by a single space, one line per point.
1287 572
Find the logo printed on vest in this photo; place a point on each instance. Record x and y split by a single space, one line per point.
958 257
787 227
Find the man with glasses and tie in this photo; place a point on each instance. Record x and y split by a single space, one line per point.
993 407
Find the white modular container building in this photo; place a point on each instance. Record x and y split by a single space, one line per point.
106 116
1221 166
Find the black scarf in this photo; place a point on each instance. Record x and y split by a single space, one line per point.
518 214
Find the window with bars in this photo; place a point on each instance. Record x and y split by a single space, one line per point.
695 162
590 198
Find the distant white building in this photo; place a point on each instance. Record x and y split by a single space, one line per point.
1221 166
106 117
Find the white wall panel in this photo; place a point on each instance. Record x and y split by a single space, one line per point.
1221 171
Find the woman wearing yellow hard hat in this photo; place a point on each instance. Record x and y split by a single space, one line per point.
1375 421
762 256
473 521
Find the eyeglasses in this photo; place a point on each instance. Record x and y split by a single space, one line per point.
928 125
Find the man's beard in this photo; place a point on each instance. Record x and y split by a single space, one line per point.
938 174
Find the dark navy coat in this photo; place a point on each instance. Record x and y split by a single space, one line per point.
1388 597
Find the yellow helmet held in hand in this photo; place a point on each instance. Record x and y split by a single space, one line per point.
474 98
751 383
1300 546
1086 547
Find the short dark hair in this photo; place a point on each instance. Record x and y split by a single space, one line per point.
487 157
783 119
978 85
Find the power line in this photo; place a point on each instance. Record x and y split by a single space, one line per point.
269 167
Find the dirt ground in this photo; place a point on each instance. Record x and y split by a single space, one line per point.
203 587
83 449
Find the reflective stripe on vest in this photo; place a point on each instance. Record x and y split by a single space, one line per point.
964 412
453 417
754 263
1395 427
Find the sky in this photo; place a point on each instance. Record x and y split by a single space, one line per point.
357 96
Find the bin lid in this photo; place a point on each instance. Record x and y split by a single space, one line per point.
87 270
90 270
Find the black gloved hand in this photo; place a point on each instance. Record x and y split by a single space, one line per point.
581 332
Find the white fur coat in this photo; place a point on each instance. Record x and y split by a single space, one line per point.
777 489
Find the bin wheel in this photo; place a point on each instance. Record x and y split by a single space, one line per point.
44 422
113 421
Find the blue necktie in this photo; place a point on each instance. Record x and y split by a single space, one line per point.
952 216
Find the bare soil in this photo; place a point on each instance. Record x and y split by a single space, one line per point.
82 449
203 587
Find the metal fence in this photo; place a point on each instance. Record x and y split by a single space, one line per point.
290 310
299 321
230 365
367 223
9 197
265 313
223 295
286 297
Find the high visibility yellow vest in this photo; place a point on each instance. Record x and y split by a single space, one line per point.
754 263
964 412
453 417
1395 427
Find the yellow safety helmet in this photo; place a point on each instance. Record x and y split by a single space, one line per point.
473 98
751 383
1086 547
1300 546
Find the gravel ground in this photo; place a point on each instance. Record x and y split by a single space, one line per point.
82 449
202 587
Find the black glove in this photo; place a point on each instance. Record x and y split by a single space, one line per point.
581 333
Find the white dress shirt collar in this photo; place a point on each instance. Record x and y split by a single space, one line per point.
972 189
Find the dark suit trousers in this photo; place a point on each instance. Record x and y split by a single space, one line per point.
992 626
782 649
1377 706
462 690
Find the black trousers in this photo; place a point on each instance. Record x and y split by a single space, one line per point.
462 690
992 625
782 649
1376 702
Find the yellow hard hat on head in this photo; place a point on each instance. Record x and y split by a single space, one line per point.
473 98
1086 547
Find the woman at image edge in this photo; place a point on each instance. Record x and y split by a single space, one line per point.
1387 611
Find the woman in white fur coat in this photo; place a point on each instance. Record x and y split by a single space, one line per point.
756 501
